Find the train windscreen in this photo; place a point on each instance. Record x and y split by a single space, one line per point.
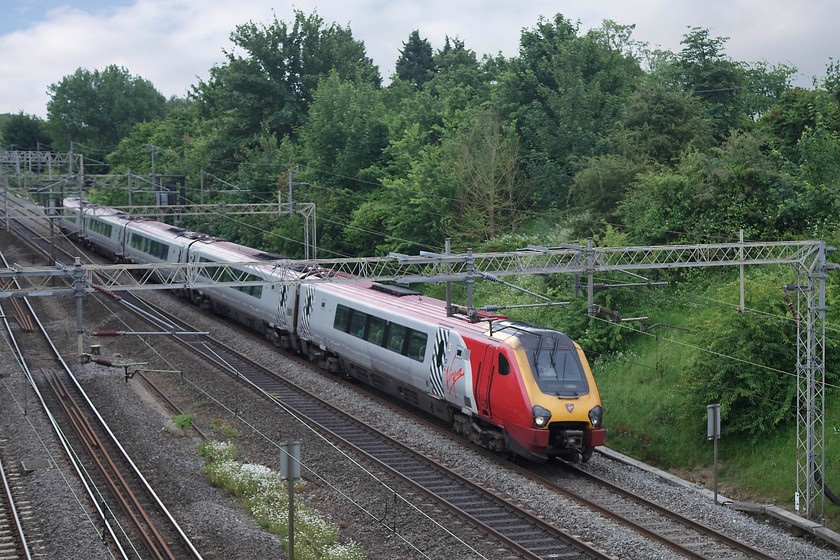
557 370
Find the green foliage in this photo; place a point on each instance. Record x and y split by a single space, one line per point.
597 334
345 132
461 84
485 162
749 364
225 428
416 64
661 124
711 194
658 207
790 117
564 92
831 82
183 421
601 184
98 109
412 209
272 84
766 86
25 132
703 69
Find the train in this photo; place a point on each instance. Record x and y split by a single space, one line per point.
508 386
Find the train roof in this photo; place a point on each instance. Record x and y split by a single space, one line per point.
94 209
406 303
219 250
409 303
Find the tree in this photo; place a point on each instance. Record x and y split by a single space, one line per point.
710 194
755 394
600 186
98 109
660 124
702 69
345 131
170 138
461 82
565 92
25 132
831 82
790 117
342 144
765 86
416 65
273 81
491 193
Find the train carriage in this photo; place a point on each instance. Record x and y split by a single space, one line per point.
256 306
510 387
151 242
99 227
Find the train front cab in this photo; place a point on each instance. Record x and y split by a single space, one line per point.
557 388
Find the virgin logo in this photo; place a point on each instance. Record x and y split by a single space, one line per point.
570 408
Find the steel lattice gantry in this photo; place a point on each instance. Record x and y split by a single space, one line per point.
810 375
38 162
807 257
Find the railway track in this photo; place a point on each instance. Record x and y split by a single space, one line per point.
146 528
682 535
13 538
134 519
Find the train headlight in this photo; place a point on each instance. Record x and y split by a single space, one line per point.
595 416
541 416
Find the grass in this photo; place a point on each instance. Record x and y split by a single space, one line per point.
264 494
183 421
224 428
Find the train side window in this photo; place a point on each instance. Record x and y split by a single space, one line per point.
417 345
504 365
396 337
342 313
376 331
358 320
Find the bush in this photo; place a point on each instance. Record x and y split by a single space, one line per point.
265 494
749 366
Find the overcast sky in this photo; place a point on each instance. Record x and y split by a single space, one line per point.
173 43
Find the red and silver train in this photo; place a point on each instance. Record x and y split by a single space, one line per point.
512 388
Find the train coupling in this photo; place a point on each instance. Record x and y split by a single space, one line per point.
572 439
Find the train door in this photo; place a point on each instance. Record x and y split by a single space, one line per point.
487 370
120 251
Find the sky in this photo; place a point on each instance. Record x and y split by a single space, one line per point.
174 43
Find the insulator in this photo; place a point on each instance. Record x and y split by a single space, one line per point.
105 291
